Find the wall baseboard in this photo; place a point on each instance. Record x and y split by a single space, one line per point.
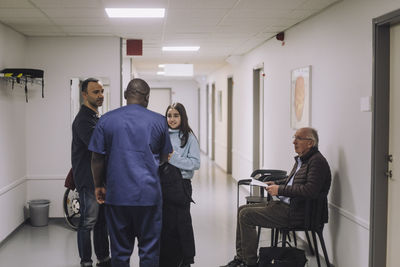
359 221
46 177
12 185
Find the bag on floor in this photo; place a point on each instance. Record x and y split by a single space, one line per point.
282 257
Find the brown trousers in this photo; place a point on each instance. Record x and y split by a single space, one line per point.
267 215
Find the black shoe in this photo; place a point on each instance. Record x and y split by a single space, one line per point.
106 263
186 262
234 263
246 265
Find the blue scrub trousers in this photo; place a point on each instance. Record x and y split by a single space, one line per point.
125 223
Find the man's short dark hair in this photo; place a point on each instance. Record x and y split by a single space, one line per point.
137 87
86 82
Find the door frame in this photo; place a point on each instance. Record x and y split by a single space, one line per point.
213 90
258 117
229 124
380 138
198 114
207 118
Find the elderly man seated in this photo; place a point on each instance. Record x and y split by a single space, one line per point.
309 177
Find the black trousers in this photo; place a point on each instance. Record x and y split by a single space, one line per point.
177 237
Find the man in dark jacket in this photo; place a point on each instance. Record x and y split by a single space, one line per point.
92 214
309 178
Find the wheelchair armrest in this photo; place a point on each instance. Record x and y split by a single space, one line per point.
270 172
244 182
267 178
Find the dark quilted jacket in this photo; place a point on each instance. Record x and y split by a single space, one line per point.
311 181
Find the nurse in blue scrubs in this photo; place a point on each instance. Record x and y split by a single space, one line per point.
128 144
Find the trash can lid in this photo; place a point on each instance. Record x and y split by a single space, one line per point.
38 201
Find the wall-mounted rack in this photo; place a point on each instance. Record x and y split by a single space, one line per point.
23 76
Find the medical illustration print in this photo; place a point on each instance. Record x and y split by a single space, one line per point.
300 97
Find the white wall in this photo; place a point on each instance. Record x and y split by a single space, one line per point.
48 129
337 43
220 79
12 135
126 76
186 93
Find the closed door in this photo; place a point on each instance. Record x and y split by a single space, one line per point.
393 235
159 100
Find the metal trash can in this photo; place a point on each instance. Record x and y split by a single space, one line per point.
39 212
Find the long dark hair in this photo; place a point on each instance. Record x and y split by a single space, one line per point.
184 128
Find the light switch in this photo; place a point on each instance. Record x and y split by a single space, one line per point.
365 104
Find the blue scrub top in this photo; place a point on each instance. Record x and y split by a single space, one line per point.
132 138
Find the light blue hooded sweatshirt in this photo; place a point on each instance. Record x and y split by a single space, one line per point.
186 158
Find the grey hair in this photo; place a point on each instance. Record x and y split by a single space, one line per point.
313 134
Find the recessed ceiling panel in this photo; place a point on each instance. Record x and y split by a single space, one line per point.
273 4
316 4
87 29
80 21
66 3
20 12
135 4
202 3
15 4
75 12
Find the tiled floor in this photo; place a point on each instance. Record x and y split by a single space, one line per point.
214 220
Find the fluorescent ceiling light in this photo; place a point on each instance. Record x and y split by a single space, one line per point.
180 48
179 70
160 73
135 12
161 66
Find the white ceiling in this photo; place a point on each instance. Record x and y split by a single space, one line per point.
222 28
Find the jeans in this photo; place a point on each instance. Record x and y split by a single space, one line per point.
92 218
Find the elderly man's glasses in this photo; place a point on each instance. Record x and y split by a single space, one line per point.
298 138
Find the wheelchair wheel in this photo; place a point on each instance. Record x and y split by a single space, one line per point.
71 208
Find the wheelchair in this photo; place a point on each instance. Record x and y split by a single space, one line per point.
71 207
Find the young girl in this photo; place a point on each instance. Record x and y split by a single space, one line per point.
177 238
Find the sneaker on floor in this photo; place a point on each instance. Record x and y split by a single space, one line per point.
234 263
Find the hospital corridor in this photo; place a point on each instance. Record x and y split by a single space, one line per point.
243 84
214 223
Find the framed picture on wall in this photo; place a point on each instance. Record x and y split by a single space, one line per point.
300 92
